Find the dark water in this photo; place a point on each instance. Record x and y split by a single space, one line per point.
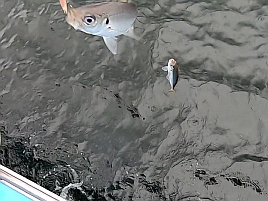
88 125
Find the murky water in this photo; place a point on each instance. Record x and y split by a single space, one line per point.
88 125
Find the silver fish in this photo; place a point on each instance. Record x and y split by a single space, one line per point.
108 20
173 73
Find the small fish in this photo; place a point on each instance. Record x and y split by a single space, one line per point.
108 20
173 73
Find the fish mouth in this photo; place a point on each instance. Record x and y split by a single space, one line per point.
172 62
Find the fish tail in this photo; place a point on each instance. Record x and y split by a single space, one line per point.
171 90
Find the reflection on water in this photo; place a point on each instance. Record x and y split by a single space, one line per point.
89 125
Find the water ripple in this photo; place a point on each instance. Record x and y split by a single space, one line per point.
68 104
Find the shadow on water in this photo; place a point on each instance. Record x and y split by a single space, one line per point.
88 125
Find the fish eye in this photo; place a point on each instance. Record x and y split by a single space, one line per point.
107 21
89 19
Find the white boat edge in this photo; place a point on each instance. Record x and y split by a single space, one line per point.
25 186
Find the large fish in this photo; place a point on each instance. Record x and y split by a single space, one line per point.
108 20
173 73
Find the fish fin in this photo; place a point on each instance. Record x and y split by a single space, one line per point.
64 6
171 90
130 33
167 76
111 43
165 68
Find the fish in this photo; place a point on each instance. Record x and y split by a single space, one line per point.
173 73
107 20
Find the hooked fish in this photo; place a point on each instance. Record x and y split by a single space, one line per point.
107 19
173 73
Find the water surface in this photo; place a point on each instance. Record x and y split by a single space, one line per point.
89 125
